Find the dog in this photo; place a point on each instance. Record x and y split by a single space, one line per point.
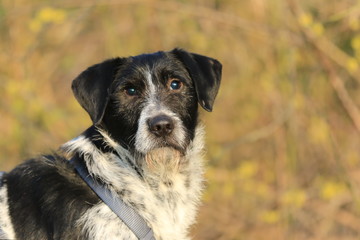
145 145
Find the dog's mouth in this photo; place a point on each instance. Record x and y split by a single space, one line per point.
154 143
168 143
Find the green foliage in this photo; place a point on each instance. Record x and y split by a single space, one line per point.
283 140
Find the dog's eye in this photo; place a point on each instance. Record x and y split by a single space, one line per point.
131 91
175 85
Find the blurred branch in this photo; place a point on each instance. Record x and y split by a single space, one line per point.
321 43
353 11
338 85
327 51
255 135
216 15
224 18
260 133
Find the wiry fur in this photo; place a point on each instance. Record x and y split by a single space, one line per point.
172 191
145 146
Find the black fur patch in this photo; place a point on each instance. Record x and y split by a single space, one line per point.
46 197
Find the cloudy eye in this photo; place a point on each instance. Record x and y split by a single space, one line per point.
131 91
175 85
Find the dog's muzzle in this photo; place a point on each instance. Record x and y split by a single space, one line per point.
159 129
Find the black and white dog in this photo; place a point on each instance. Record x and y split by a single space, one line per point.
145 145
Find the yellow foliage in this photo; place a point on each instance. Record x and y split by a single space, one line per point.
256 188
262 190
318 29
352 158
267 85
306 20
294 198
12 87
228 189
47 15
355 42
210 173
318 130
298 101
270 216
352 65
35 25
247 169
332 189
354 23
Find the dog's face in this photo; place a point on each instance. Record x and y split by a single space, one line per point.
149 101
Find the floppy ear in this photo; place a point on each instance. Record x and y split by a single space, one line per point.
205 73
91 87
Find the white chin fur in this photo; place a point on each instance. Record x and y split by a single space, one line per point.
163 158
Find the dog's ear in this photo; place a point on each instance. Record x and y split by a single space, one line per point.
91 87
205 73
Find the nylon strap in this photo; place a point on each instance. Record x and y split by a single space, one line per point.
128 215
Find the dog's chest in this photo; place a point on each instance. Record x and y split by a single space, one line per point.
167 203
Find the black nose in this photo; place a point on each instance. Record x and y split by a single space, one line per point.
161 125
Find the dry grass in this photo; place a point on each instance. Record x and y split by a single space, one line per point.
283 140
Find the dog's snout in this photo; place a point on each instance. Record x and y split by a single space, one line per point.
161 125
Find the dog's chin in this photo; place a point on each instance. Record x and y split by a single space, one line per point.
166 157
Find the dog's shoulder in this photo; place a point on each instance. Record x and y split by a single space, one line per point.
47 187
46 172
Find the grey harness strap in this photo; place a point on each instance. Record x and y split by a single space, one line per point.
128 215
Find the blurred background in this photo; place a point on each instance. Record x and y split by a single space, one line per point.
284 137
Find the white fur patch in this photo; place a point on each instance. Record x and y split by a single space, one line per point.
100 222
151 86
107 167
6 227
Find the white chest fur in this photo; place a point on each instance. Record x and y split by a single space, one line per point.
169 212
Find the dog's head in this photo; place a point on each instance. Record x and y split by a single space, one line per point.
149 101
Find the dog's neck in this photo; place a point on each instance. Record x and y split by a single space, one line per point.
106 157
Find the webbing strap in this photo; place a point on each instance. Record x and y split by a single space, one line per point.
128 215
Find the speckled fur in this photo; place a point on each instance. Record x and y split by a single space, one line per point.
167 197
159 175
